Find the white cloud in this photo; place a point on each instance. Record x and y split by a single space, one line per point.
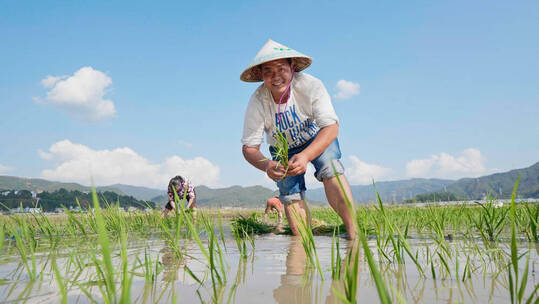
79 163
44 154
469 164
185 144
81 94
346 89
4 169
363 173
50 81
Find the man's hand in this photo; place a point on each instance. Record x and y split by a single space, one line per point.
275 170
297 164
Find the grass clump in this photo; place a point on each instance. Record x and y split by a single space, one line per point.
250 224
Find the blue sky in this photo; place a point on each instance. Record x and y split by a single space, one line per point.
137 92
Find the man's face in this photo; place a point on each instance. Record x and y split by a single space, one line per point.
276 75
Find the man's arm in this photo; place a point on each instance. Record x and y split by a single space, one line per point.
298 163
272 168
190 202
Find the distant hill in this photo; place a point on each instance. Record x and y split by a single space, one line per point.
38 184
393 191
141 193
254 196
499 185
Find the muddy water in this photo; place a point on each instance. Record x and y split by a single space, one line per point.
276 271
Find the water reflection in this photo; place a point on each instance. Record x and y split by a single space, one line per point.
293 288
299 284
173 264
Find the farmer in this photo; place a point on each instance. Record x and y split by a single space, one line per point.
181 186
275 204
297 105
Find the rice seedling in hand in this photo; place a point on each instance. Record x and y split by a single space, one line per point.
281 149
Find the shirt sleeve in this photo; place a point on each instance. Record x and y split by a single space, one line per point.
191 190
323 111
253 124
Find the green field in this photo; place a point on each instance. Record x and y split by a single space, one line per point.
481 253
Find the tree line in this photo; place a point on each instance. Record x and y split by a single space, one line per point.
49 201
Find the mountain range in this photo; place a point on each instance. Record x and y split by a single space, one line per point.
392 191
499 185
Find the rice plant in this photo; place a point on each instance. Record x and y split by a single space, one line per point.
307 240
517 290
281 149
490 224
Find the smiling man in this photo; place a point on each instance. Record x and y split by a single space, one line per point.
298 106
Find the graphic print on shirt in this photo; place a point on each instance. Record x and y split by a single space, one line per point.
297 132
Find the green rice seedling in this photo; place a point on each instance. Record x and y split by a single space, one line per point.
107 273
517 290
218 278
215 264
44 225
335 256
214 246
151 268
127 277
75 225
221 234
239 236
401 244
382 241
307 240
281 146
250 224
22 237
533 221
467 274
352 266
381 286
187 219
490 224
59 281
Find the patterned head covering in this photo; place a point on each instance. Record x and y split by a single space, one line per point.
272 51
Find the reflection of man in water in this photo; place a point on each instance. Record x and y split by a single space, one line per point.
296 287
293 289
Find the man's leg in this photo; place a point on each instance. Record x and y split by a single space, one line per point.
337 201
296 210
266 212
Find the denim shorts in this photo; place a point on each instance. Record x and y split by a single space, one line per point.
293 188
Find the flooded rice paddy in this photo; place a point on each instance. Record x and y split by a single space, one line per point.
112 257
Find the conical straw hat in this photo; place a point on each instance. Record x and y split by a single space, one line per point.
272 51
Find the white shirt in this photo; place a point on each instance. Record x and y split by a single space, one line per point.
308 110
